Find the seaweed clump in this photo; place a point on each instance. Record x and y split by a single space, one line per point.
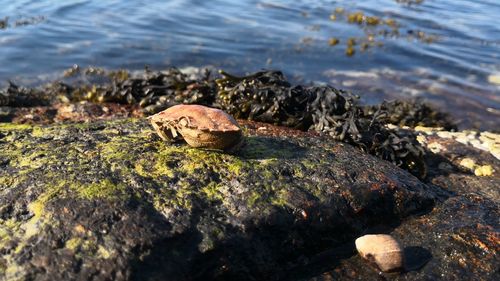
411 113
268 97
154 91
264 96
17 96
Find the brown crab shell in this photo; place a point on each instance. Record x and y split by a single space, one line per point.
381 249
200 126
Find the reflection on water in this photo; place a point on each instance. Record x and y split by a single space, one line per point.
446 51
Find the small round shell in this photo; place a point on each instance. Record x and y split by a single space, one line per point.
381 249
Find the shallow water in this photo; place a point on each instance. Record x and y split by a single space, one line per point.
456 70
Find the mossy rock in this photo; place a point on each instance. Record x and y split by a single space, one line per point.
111 201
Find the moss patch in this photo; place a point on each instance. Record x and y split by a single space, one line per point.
102 189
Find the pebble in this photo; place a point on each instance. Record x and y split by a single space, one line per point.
435 147
479 170
381 249
422 139
486 141
427 129
468 163
483 171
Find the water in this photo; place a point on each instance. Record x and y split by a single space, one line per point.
456 71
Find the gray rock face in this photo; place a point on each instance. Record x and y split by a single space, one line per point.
111 201
458 240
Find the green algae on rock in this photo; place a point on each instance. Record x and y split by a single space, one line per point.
114 201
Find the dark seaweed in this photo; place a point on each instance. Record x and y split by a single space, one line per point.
412 113
17 96
153 91
266 96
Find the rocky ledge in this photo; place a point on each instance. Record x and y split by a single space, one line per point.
108 200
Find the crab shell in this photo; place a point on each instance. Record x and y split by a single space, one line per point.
200 126
381 249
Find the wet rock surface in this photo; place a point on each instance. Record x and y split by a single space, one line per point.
458 240
108 200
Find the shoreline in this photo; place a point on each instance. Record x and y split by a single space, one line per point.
476 117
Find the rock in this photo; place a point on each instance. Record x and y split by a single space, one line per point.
457 240
383 250
468 163
486 141
114 201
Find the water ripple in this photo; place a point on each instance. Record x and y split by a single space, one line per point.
249 35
